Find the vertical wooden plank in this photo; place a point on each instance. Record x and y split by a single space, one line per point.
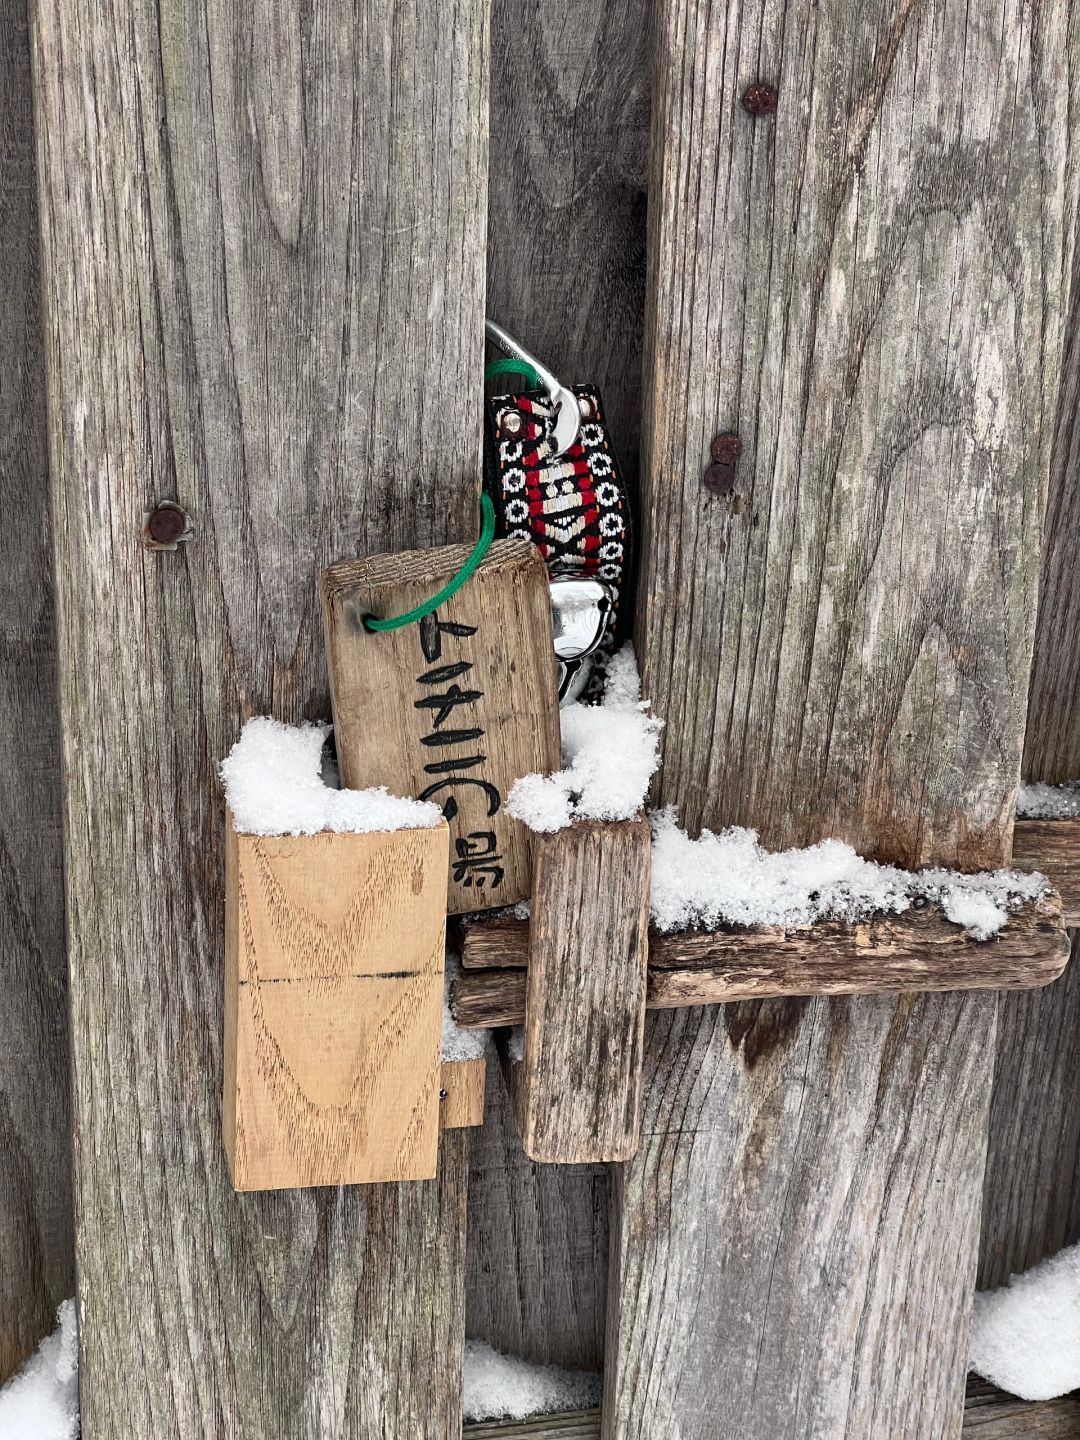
577 1090
37 1253
868 288
538 1246
1031 1197
263 237
570 100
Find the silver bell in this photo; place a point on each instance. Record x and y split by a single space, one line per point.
579 611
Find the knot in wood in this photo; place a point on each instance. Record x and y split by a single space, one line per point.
760 99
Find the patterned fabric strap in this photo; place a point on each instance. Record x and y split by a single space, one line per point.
573 508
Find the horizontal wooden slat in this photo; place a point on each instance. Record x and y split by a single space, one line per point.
1052 846
914 952
988 1415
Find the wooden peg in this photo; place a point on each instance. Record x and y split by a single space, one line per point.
335 948
577 1091
462 1094
453 708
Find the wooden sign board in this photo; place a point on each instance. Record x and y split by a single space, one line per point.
335 948
453 708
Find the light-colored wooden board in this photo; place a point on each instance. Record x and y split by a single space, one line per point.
461 1094
453 708
538 1246
242 313
840 646
577 1091
334 953
889 954
37 1253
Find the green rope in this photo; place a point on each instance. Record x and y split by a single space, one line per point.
514 367
452 586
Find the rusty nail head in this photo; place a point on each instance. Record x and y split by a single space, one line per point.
760 99
720 479
510 424
166 526
726 448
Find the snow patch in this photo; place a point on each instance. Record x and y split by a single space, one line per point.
503 1387
457 1042
609 752
515 1046
1049 802
275 785
1025 1337
729 879
41 1402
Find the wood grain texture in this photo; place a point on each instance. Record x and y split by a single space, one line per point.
1033 1161
889 954
1052 846
1031 1198
988 1415
782 1217
452 709
570 106
334 953
37 1252
577 1091
538 1247
870 288
462 1087
570 93
264 298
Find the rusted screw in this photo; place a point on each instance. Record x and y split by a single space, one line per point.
725 451
166 526
760 99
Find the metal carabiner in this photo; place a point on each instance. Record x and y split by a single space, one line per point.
567 414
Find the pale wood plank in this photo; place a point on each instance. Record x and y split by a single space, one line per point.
1052 846
334 955
894 954
245 312
577 1090
570 102
37 1252
453 708
463 1084
841 646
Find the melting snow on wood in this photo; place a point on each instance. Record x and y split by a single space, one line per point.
1025 1337
502 1387
41 1402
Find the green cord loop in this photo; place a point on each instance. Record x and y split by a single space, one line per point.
452 586
514 367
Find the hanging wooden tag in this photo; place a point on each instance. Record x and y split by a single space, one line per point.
453 708
334 956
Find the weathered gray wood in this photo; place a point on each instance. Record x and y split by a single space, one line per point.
792 1150
538 1246
1031 1197
868 288
570 92
1052 846
988 1415
36 1251
577 1089
1031 1203
265 294
907 954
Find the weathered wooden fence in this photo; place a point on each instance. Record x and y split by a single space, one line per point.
263 246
